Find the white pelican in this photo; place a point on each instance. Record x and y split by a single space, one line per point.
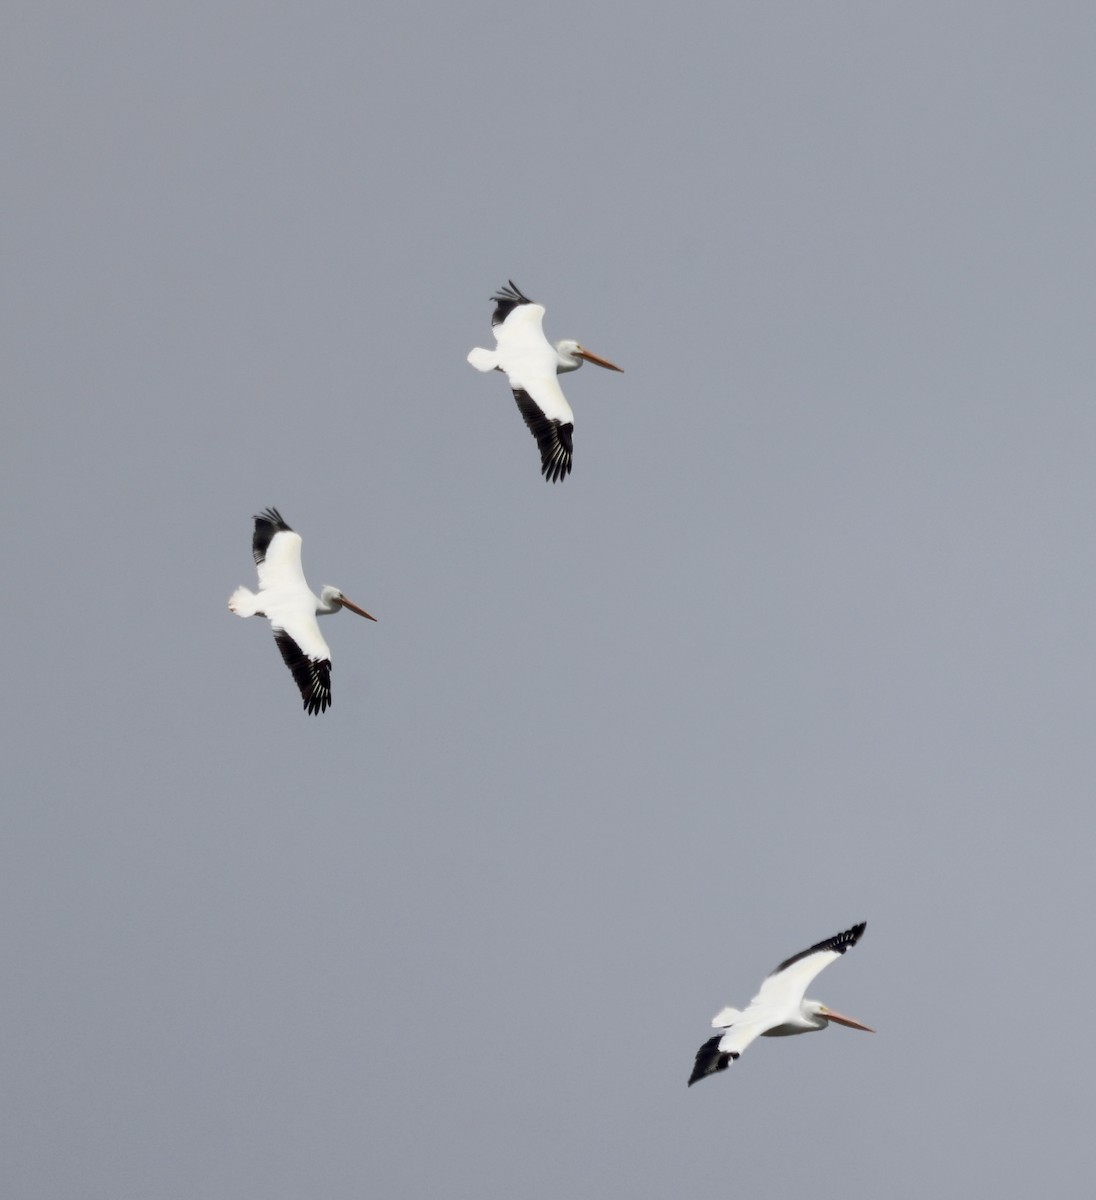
532 363
779 1008
286 600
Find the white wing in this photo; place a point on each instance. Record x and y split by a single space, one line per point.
786 989
787 985
548 396
299 621
281 568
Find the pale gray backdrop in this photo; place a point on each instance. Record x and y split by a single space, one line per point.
806 638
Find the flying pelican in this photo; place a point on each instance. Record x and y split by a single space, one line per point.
532 363
291 607
779 1008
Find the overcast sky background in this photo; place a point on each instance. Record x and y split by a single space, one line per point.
806 638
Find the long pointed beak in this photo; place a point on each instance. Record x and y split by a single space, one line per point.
601 362
847 1021
355 609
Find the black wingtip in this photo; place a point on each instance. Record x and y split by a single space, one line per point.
505 300
553 438
710 1060
312 676
511 294
840 942
847 939
267 523
271 516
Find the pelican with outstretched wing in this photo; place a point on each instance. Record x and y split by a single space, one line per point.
532 363
779 1008
291 606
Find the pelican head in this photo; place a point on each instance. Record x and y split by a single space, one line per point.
331 600
571 355
825 1015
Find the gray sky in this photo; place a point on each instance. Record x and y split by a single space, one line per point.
804 640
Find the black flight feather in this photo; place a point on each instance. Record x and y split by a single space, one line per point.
710 1060
839 942
553 438
506 300
267 524
313 675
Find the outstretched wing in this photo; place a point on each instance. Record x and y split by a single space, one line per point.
313 675
277 552
788 983
720 1051
553 437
